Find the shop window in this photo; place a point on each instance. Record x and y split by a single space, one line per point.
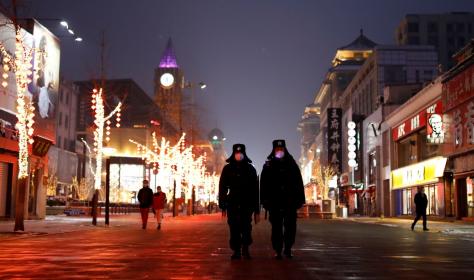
407 201
372 168
407 151
431 192
470 197
428 150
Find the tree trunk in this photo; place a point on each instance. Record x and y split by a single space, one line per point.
20 204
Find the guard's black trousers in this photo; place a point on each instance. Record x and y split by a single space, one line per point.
418 216
283 228
240 225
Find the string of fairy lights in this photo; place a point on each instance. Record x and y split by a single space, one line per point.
20 65
178 163
100 119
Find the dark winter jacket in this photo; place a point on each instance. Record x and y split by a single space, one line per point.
421 201
238 187
281 184
145 197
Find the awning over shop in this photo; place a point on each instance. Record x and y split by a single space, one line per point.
421 173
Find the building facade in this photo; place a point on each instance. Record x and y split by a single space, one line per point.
388 66
417 137
448 32
458 109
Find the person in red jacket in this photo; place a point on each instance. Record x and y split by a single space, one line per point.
159 201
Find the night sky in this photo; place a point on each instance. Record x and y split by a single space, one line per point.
262 60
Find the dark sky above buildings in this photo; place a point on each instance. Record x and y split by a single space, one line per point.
262 60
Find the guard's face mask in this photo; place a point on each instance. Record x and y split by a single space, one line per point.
279 154
238 156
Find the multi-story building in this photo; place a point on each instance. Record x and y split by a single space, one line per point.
447 32
416 133
386 66
309 129
458 119
42 93
344 66
62 164
347 60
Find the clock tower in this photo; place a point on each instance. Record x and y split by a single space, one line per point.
169 92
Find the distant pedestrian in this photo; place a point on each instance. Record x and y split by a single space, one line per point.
421 201
238 199
159 201
282 193
145 197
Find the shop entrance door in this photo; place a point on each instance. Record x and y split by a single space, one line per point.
5 188
33 192
462 198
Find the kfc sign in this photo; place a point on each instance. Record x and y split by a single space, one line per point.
431 116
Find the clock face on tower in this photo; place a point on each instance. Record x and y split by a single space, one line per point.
166 80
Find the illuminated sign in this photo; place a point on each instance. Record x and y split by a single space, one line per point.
335 138
419 174
422 119
351 147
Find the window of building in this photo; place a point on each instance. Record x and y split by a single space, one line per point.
433 40
431 192
407 151
428 150
372 168
61 93
393 74
386 148
407 201
413 40
460 27
449 27
58 142
432 27
461 42
67 98
66 143
469 28
451 41
66 121
60 119
413 27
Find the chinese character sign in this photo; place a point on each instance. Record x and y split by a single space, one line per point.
334 138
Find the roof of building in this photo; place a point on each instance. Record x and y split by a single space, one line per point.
360 43
168 59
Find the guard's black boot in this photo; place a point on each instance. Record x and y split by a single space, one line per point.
245 252
278 255
426 229
236 255
287 253
159 226
412 226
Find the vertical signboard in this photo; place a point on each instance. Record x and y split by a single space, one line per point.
335 139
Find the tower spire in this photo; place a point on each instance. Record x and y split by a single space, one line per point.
168 59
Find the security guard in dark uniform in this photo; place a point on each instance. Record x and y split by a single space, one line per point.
282 193
239 199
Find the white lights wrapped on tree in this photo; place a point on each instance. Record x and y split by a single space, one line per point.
20 64
99 121
177 163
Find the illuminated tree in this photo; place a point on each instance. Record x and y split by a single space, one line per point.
322 175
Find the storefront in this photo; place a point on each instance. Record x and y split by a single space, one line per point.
418 134
428 174
458 102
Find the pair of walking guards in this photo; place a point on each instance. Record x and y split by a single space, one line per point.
156 201
281 193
